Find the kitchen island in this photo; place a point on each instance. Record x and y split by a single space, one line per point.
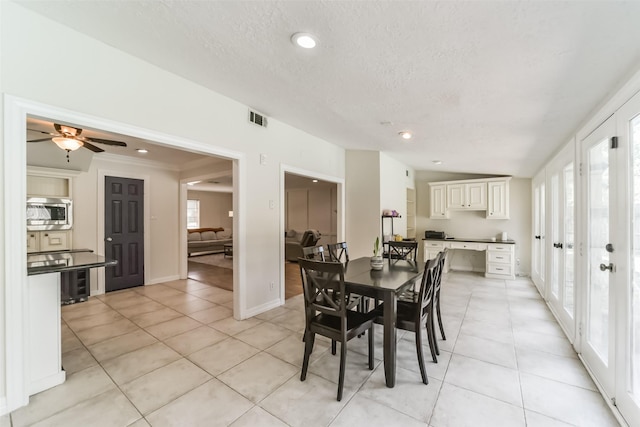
43 341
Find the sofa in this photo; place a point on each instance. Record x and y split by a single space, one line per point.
295 241
207 240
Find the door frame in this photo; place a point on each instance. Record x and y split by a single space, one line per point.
16 303
539 277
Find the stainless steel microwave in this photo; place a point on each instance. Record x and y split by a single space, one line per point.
45 213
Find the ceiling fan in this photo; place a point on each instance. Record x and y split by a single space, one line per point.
68 138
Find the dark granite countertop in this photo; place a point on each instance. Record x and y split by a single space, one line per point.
55 262
507 242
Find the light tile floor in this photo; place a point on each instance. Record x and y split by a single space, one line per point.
171 354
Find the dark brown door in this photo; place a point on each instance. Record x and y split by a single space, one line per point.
124 232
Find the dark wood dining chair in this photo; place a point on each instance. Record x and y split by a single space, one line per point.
405 250
327 314
338 252
314 252
441 258
415 312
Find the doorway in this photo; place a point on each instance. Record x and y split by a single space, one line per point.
209 212
310 205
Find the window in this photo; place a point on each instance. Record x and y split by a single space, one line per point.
193 213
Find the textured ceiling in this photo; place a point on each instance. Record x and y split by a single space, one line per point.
487 87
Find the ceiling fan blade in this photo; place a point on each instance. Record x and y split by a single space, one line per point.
106 141
40 140
92 147
40 131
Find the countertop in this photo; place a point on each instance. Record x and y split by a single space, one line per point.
55 262
507 242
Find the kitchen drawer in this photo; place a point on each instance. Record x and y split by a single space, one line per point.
433 245
501 269
499 247
54 240
499 257
469 246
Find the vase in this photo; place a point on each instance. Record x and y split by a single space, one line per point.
377 263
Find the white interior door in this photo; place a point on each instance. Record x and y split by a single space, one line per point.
600 243
538 249
560 294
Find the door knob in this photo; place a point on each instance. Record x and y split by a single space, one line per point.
604 267
108 239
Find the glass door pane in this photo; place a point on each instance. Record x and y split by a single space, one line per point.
568 299
555 234
598 228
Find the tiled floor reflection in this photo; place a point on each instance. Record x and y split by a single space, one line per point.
172 354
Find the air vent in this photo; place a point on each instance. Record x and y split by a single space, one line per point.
257 118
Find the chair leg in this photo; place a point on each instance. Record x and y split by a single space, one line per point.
371 351
308 348
432 345
333 347
432 331
419 351
343 362
440 321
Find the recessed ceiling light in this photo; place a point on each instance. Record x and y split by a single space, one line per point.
405 134
437 162
305 40
142 151
314 180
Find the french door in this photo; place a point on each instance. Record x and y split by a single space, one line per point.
539 224
610 344
561 244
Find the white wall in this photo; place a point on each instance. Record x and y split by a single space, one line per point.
375 182
474 225
362 201
120 88
214 208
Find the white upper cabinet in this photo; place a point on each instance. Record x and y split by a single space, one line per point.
438 201
490 195
469 196
498 199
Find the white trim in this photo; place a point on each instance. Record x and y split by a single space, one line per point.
101 174
15 260
162 279
14 186
3 406
340 221
614 409
126 160
263 307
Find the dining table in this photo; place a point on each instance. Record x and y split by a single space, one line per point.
383 285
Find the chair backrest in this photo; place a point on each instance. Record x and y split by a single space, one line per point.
310 238
429 277
321 282
338 252
405 250
314 252
440 259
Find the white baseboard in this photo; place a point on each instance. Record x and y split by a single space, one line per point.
163 279
616 412
262 308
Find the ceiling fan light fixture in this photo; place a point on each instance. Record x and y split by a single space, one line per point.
68 144
304 40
